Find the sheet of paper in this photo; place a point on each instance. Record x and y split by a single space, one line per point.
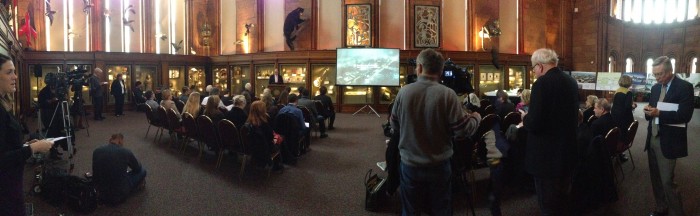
229 107
663 106
306 123
54 139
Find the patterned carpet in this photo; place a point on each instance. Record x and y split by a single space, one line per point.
326 181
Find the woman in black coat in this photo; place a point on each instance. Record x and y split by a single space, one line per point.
623 104
13 151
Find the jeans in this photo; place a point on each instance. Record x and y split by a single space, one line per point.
496 188
135 179
426 189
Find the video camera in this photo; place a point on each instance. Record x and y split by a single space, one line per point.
61 81
454 77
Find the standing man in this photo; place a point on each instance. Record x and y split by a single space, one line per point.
427 116
667 137
551 121
276 78
96 93
118 89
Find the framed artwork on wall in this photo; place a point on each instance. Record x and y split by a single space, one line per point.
426 21
358 28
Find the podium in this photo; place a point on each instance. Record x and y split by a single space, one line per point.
276 89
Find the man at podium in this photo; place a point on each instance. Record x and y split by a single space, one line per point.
276 78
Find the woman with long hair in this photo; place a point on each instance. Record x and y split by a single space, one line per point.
14 152
524 101
192 106
590 104
261 135
212 109
167 101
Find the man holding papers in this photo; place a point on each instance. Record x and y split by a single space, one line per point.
669 111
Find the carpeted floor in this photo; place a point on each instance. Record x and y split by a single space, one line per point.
326 181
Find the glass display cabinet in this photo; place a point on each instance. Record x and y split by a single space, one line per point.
358 95
37 83
221 78
294 74
176 79
196 80
388 94
240 75
147 75
112 72
323 75
516 77
262 77
490 78
533 78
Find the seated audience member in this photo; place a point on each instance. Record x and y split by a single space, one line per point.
207 91
316 117
605 121
588 109
249 95
292 108
503 105
192 106
168 102
116 172
329 111
269 103
185 94
261 136
236 115
214 92
282 98
496 148
212 110
524 101
138 92
472 102
150 100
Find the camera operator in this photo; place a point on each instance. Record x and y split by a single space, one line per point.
77 110
13 154
51 116
97 93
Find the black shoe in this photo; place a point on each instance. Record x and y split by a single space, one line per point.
324 135
655 213
623 158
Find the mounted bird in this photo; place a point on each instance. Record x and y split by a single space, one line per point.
27 29
177 46
88 6
49 13
126 21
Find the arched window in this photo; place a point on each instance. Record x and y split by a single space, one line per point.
650 63
694 65
673 65
611 64
655 11
629 64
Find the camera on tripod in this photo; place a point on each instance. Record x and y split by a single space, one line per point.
75 79
454 77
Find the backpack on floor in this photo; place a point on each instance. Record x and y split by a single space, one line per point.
81 194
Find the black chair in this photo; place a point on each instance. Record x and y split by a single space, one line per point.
175 125
611 141
192 132
308 117
180 105
490 109
208 133
512 118
162 118
287 125
231 140
152 121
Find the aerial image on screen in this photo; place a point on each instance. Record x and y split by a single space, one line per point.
368 67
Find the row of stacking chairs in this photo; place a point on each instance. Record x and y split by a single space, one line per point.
221 136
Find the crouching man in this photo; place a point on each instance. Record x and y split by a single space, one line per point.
116 172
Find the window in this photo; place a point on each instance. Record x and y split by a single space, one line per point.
694 65
655 11
650 63
611 64
673 65
629 64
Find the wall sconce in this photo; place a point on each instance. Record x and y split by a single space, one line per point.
205 32
247 28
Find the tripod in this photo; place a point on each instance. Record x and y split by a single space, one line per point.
66 127
80 109
366 106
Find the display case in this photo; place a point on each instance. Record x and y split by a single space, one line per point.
490 78
147 75
323 75
37 83
240 75
388 94
516 77
262 77
112 72
221 78
293 74
358 95
533 78
196 79
176 79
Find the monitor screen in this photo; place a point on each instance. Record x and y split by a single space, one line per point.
367 67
